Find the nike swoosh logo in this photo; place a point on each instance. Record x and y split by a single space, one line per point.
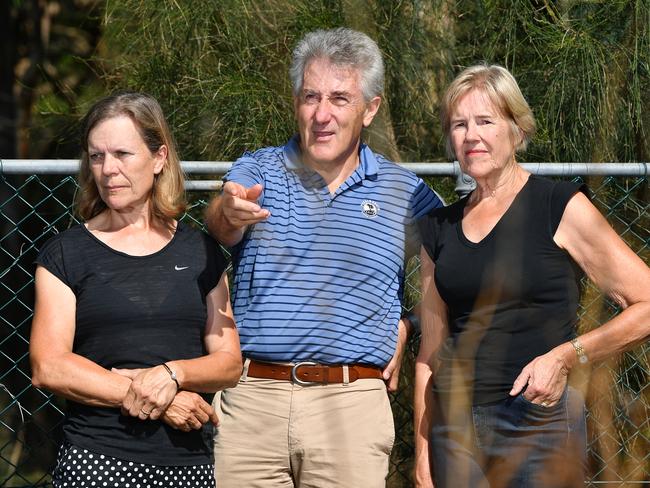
180 268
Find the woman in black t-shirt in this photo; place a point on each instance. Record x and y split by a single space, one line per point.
500 291
132 321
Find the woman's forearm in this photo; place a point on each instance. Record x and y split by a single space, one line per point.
79 379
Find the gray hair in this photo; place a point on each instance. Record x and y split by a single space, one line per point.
342 47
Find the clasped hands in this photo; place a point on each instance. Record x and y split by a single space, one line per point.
154 395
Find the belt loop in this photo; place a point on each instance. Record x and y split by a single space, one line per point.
346 375
244 373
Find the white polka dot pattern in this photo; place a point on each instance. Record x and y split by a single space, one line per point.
77 467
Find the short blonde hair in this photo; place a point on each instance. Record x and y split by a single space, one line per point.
168 192
502 90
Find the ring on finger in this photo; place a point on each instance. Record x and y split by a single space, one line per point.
145 412
544 404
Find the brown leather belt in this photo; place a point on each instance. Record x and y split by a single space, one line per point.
310 373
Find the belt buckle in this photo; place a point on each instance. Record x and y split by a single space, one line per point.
294 375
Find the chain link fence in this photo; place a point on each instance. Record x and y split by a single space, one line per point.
35 205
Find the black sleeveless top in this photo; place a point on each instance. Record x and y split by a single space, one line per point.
136 312
511 297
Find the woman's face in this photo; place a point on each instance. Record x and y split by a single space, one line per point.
481 137
122 165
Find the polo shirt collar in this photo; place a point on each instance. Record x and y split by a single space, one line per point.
368 165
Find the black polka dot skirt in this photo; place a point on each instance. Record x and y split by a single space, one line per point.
77 467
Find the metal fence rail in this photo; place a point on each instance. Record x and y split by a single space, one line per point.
36 201
71 166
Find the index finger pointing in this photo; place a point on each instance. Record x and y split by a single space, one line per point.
234 189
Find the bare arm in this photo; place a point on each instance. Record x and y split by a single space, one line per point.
153 389
392 369
188 410
433 321
222 367
54 366
229 214
618 272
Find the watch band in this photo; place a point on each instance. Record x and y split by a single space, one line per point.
580 351
172 375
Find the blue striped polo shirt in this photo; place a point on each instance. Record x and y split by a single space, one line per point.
321 279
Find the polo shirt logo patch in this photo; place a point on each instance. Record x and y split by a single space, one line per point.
370 209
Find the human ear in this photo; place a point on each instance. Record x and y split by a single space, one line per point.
372 107
160 159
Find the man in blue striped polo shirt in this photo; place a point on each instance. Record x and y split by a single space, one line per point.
321 229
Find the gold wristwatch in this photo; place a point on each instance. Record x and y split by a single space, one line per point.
580 351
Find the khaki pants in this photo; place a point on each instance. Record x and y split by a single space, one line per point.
275 434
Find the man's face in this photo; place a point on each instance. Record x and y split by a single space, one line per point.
331 112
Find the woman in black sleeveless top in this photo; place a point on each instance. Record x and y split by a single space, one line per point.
132 322
500 282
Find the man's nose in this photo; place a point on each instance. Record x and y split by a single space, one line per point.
323 111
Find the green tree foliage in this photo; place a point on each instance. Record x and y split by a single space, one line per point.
582 65
220 68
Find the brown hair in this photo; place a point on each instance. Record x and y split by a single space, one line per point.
503 91
168 192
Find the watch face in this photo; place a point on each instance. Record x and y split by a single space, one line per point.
583 359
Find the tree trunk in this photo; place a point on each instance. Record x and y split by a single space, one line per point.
8 34
380 136
438 25
28 75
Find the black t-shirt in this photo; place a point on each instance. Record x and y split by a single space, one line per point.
510 297
136 312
